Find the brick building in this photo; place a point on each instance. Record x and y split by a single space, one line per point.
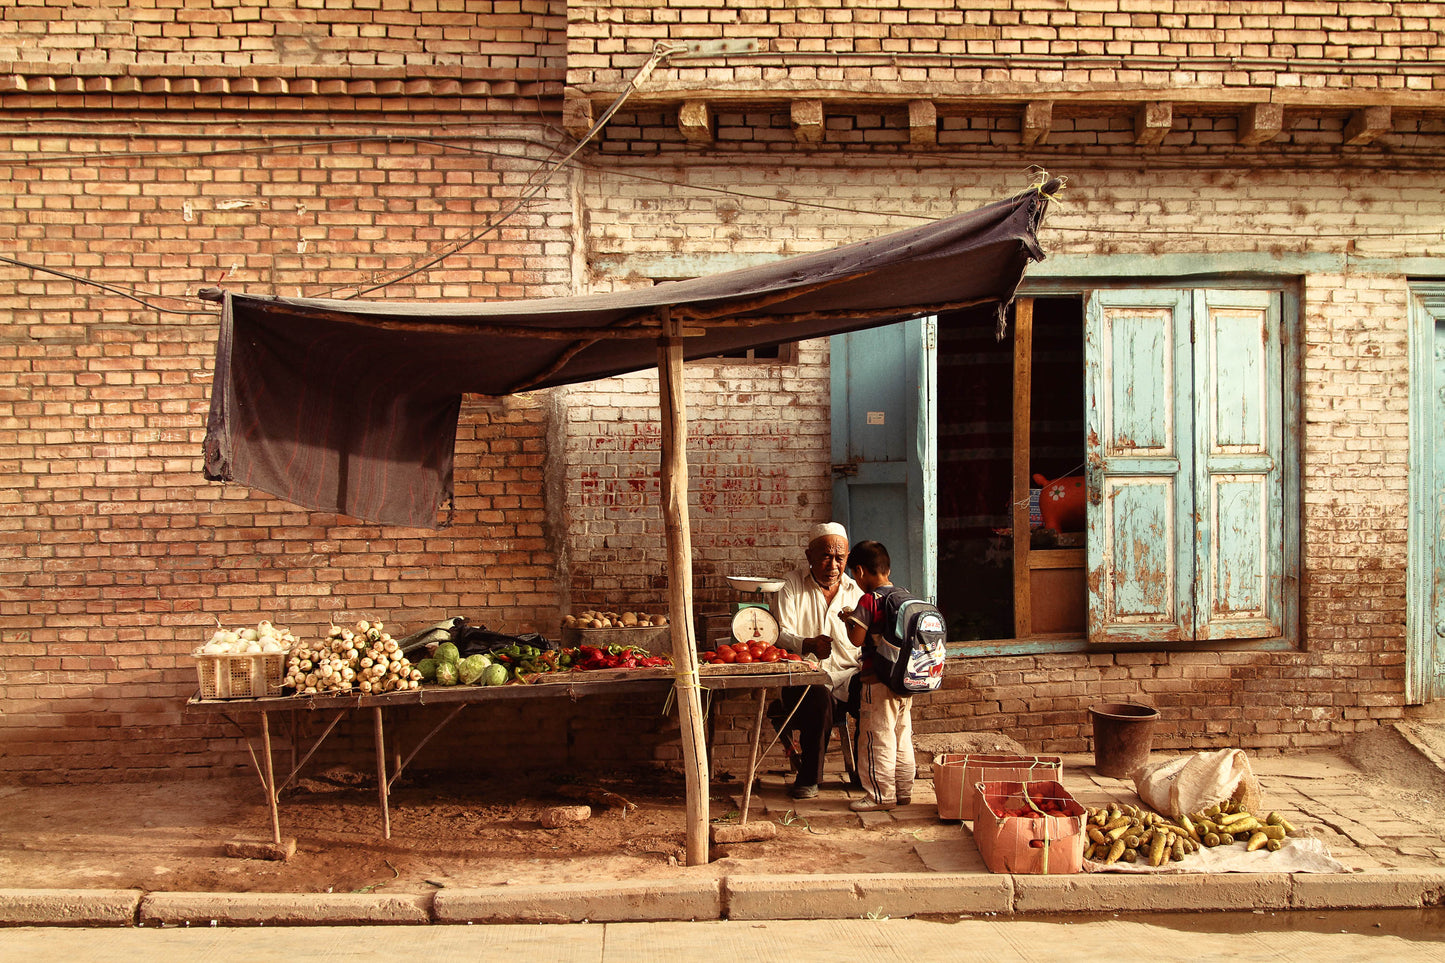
1222 157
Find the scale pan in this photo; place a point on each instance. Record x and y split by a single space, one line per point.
746 584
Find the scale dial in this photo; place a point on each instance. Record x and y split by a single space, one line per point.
754 623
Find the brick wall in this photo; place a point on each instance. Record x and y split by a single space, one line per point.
1348 674
1230 44
500 34
119 556
266 164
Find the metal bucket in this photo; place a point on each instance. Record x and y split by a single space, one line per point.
1123 732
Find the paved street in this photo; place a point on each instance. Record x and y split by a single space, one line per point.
1340 938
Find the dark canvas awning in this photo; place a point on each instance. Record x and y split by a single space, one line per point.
352 406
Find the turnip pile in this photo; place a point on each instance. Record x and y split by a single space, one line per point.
364 659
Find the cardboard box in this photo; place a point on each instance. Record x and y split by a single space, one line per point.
1034 844
957 774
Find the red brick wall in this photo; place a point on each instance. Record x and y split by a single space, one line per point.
119 556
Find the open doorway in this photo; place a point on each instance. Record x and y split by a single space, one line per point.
1006 406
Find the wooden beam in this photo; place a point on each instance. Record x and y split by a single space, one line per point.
674 483
1367 124
1023 414
922 123
694 120
1261 122
1038 118
1152 123
808 121
577 116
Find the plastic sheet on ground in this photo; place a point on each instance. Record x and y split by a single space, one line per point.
1301 854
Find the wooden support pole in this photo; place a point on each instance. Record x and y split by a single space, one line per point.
270 779
382 785
679 586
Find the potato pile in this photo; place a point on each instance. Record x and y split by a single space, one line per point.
611 620
1129 834
364 658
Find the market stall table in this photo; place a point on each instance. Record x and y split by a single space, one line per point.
572 685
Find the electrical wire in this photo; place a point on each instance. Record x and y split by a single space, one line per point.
113 289
660 52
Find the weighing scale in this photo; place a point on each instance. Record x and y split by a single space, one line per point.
755 621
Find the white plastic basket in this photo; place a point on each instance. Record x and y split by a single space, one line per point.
240 675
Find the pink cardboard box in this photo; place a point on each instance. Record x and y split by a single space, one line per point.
1037 843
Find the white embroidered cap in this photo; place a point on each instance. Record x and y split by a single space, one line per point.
825 529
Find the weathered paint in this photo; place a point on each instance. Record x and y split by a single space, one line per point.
884 431
1139 557
1425 603
1186 461
1238 464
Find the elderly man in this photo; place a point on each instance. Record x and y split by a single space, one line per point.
809 604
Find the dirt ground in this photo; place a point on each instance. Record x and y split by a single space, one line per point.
453 831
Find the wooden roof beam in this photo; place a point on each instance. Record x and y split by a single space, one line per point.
694 120
922 123
1366 125
1260 123
807 116
577 115
1152 122
1038 118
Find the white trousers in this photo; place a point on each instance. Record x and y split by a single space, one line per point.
885 750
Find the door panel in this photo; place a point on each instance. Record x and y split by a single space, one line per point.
884 444
1425 600
1239 432
1139 557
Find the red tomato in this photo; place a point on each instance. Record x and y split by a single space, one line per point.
724 649
770 655
756 649
710 657
794 657
729 656
743 657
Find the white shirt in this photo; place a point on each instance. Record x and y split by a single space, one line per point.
804 612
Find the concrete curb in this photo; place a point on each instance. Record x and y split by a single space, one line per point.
69 907
751 898
642 901
281 909
857 896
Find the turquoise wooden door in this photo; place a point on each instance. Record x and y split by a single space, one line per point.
1238 457
1425 612
1185 465
884 440
1138 469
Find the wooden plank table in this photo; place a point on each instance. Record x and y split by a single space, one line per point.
570 685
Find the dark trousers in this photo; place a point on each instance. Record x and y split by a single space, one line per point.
814 722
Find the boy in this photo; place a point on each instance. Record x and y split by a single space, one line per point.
885 719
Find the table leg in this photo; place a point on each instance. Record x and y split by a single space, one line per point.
270 779
753 761
382 786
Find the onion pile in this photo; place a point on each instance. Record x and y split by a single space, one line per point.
364 658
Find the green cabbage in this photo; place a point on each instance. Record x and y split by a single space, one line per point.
470 669
446 673
447 652
428 669
495 674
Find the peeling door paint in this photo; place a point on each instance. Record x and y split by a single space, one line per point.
1140 559
1425 602
1238 454
1184 465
